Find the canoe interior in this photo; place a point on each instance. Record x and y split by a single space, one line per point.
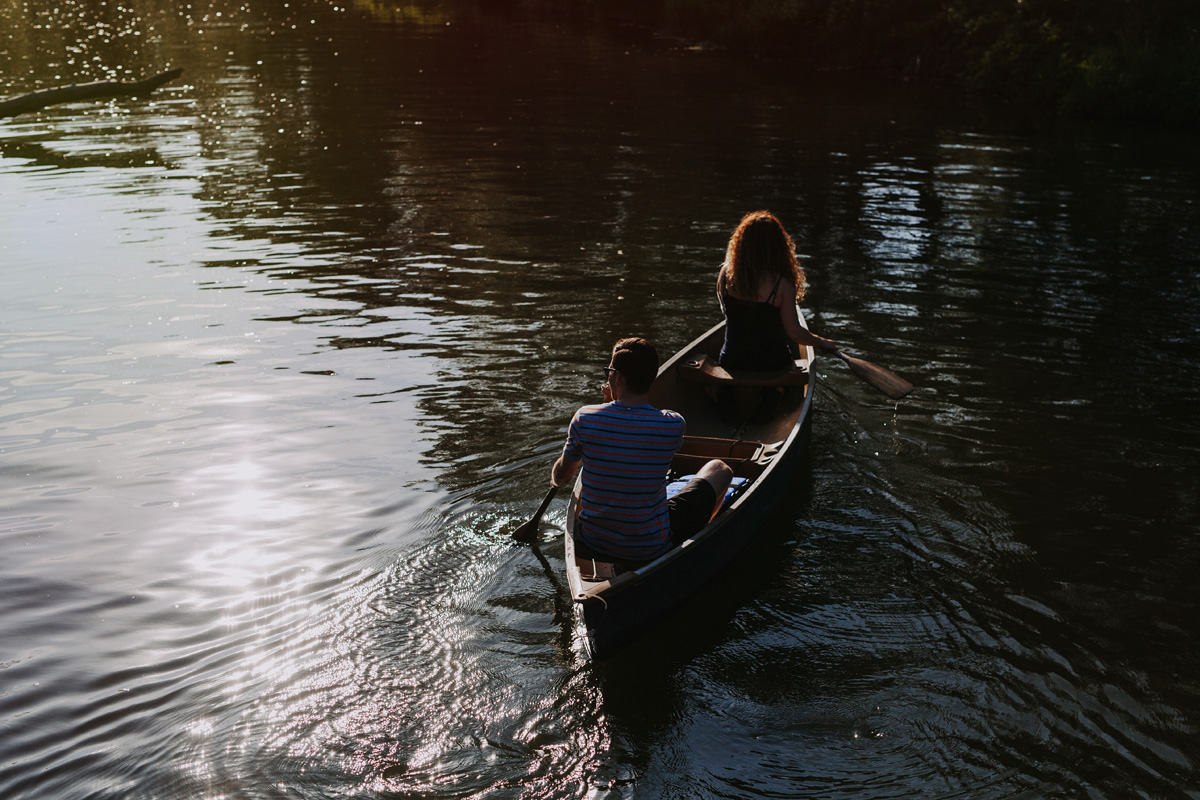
693 399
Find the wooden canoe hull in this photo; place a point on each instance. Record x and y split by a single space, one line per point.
611 613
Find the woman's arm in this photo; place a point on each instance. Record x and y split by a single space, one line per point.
800 334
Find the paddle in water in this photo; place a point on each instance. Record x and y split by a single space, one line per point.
528 531
885 381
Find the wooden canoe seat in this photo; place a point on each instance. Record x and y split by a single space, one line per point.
595 567
703 369
592 569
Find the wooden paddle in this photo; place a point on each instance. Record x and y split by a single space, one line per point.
885 381
528 531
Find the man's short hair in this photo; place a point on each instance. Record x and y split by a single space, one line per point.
637 360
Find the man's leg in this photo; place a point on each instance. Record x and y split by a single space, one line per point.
718 474
698 502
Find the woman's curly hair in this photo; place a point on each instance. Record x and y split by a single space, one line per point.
760 246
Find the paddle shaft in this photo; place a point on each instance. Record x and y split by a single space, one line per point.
545 504
528 531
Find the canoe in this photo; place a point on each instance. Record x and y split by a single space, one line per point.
616 604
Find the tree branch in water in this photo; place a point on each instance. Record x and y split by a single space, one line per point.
36 101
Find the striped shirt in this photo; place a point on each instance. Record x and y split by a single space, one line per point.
626 453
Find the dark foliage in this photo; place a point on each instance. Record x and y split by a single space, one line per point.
1135 59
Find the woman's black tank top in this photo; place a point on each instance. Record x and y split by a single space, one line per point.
754 334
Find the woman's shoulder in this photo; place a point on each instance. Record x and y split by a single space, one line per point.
769 288
777 290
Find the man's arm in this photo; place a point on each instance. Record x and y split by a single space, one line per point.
563 470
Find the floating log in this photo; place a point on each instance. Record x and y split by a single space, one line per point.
76 92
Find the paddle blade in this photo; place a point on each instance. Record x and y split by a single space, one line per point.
528 532
885 381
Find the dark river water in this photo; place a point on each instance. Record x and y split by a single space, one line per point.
286 352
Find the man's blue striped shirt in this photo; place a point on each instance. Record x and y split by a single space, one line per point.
626 453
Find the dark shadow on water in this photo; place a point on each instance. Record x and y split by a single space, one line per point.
42 156
563 611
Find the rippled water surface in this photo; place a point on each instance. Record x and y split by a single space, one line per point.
286 351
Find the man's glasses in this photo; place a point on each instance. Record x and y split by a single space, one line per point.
608 372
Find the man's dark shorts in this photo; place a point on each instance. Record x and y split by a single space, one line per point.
691 509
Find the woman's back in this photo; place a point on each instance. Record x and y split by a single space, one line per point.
755 338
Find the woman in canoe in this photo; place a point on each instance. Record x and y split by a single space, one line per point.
758 287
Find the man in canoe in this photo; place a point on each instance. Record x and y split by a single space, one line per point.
625 446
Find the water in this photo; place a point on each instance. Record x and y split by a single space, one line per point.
285 354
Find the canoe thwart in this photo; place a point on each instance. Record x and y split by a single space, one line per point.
683 464
701 368
747 458
736 449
